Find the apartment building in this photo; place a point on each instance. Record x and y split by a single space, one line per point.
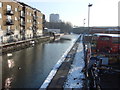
19 21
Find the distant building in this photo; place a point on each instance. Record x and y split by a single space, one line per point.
54 18
113 30
92 30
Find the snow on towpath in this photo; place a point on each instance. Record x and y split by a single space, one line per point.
75 76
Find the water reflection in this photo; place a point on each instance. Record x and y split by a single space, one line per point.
30 66
8 82
11 63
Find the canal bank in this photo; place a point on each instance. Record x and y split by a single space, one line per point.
71 64
16 46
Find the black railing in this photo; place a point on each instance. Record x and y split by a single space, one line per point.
22 15
22 32
9 22
22 23
43 21
35 18
9 32
9 12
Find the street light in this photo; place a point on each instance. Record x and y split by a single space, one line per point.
90 5
84 22
84 25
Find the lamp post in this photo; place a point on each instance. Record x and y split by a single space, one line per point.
84 22
90 5
84 25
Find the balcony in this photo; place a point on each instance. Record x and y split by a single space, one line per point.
9 12
22 23
34 28
43 21
43 16
9 22
34 23
35 17
22 32
9 32
22 15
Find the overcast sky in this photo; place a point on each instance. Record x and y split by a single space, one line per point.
102 13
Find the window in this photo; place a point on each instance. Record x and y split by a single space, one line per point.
21 13
21 28
41 17
116 40
0 4
30 14
0 27
16 36
30 28
8 17
16 9
38 23
21 20
0 15
16 18
16 27
8 27
105 38
27 13
27 20
9 7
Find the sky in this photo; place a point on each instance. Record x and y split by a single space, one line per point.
102 13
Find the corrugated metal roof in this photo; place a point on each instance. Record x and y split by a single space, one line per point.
102 34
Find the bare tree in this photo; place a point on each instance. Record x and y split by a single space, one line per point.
65 27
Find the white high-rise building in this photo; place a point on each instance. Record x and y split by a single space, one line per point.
54 18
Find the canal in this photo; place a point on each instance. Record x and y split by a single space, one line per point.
28 68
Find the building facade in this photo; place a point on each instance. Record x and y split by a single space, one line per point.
19 21
54 18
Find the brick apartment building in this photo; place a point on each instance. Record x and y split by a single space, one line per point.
19 21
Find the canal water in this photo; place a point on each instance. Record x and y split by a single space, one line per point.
28 68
